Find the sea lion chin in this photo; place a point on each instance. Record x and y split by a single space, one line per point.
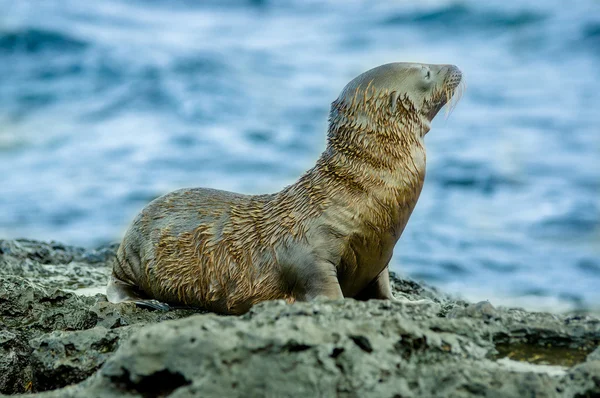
332 233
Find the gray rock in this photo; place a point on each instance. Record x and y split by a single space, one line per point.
62 358
587 377
74 346
51 338
14 363
594 356
55 265
347 348
483 309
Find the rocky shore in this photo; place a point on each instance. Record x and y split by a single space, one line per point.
57 342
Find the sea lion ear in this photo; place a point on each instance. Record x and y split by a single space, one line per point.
393 101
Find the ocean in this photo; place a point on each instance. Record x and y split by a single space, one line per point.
107 105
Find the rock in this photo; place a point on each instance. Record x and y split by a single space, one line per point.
594 356
55 265
483 309
345 348
14 363
62 358
427 344
31 308
586 375
51 338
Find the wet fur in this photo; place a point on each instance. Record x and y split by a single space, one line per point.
331 233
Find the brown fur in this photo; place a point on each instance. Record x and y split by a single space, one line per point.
339 222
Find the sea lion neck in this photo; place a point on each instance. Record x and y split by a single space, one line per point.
374 157
359 167
373 134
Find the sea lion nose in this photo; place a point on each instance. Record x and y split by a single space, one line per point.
454 71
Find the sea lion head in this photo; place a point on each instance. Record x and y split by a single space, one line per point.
405 94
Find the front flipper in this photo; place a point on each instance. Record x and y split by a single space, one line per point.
379 289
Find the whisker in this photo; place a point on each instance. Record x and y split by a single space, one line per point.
449 99
456 96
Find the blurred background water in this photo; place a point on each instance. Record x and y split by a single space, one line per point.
106 105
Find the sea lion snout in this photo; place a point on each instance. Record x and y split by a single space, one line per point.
453 76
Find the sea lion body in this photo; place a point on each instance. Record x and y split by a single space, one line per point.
332 233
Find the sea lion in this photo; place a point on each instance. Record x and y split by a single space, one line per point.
330 234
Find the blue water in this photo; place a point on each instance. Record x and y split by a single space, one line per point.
106 105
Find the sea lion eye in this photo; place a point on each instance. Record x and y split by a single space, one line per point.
425 83
426 73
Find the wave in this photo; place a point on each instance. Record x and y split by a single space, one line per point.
31 41
461 17
472 175
582 220
591 35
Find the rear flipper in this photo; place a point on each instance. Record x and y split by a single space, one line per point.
118 291
152 304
